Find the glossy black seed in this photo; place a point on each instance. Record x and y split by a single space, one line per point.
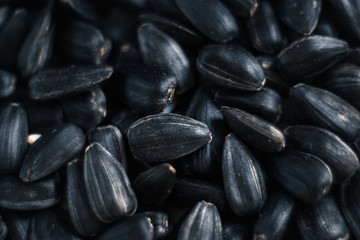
7 83
327 146
83 43
55 83
207 160
82 218
235 230
54 148
13 137
300 16
160 222
194 190
264 29
145 88
82 8
18 225
327 110
18 195
349 202
158 138
48 225
12 36
159 49
211 18
265 103
87 109
303 175
112 140
243 179
274 217
310 56
153 186
321 220
253 130
129 228
37 47
202 222
107 185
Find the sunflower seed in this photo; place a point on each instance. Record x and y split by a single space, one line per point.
326 28
125 118
230 66
243 8
243 179
82 8
18 225
5 12
107 185
13 137
7 83
160 222
45 156
3 229
164 137
236 230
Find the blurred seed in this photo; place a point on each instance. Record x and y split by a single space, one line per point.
310 56
55 83
243 179
300 16
82 8
37 47
327 110
326 28
13 137
230 66
82 218
5 12
129 228
160 222
211 18
266 103
253 130
107 185
3 229
17 195
202 222
235 230
46 156
243 8
153 186
18 224
322 220
7 83
87 109
274 216
327 146
264 29
158 138
303 175
112 140
144 88
159 49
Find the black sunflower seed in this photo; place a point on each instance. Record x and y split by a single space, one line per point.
327 146
18 225
107 185
300 16
168 9
13 137
266 103
264 29
274 216
253 130
163 137
7 83
82 8
159 49
82 218
153 186
18 195
55 83
236 230
321 220
125 118
326 28
243 179
87 109
5 12
144 88
303 175
160 222
37 47
327 110
230 66
46 156
310 56
243 8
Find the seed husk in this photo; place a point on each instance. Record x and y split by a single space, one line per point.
202 222
7 83
107 185
45 156
160 222
243 8
243 178
230 66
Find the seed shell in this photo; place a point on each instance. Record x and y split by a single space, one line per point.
7 83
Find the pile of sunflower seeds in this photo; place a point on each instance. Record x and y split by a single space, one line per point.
179 119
